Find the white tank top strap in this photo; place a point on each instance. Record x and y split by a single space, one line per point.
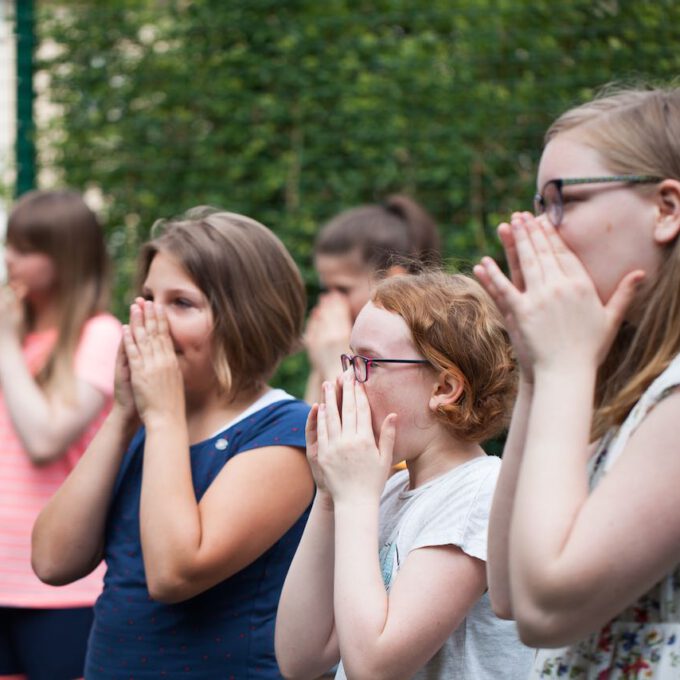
664 384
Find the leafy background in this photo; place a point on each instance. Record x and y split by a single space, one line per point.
291 111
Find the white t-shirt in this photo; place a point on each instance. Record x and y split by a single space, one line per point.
452 509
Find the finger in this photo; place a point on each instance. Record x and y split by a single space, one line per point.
330 409
529 263
162 320
504 294
163 329
510 249
311 436
485 280
620 300
364 422
322 430
349 404
388 435
132 353
569 263
150 323
542 248
138 330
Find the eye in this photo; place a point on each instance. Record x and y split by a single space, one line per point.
147 296
183 303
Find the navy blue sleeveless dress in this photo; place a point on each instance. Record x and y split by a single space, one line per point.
226 631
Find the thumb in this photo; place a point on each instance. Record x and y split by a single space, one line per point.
388 432
623 296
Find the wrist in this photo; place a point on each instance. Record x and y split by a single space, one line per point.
124 418
357 503
161 419
323 500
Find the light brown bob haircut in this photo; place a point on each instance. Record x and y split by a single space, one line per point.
635 131
455 325
60 225
252 284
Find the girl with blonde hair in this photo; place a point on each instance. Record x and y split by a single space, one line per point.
585 525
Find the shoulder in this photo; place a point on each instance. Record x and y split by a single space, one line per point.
454 508
102 331
279 423
95 358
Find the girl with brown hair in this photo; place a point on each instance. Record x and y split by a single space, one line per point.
57 349
353 252
198 514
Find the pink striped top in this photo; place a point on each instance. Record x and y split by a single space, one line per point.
25 488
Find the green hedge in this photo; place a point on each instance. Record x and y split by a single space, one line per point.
290 111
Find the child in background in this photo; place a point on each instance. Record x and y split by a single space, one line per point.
198 515
390 574
352 253
585 525
57 350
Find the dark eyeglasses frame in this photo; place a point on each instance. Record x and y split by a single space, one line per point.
348 360
539 200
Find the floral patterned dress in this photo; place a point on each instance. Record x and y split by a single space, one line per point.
643 642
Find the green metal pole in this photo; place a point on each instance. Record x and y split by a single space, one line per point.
25 141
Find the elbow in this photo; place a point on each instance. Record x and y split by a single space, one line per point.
501 606
169 590
43 452
550 621
543 630
366 669
291 671
170 585
48 570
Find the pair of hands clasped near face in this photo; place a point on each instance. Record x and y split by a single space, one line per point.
347 462
149 382
551 306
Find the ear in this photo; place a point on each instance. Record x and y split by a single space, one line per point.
667 224
396 270
446 390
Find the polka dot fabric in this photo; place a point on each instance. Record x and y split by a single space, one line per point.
225 632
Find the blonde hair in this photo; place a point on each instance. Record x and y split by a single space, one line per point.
60 225
457 328
635 131
252 284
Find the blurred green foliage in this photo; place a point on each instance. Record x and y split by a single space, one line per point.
291 111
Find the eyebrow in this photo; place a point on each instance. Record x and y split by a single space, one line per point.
173 291
367 352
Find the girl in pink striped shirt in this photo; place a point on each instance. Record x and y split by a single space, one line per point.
57 357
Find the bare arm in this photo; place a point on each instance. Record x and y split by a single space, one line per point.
305 640
187 546
577 559
68 536
502 508
584 558
392 636
46 426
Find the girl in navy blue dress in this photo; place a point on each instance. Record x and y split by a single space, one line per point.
198 514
